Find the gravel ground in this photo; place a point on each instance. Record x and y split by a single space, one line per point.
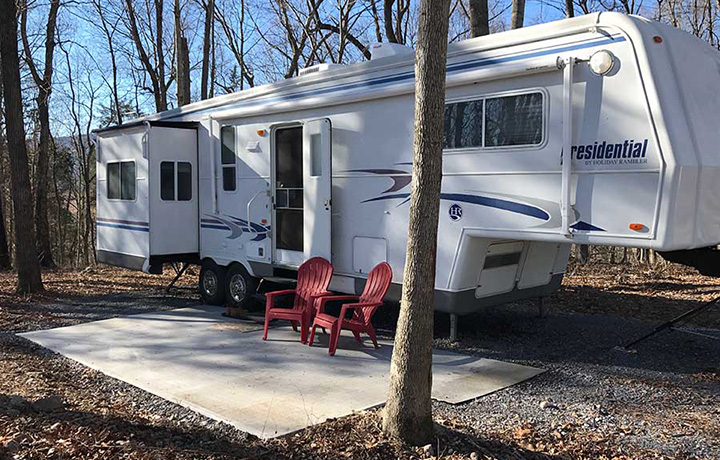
662 401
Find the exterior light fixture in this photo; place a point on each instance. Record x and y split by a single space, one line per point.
602 62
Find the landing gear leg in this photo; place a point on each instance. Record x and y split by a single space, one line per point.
178 273
542 306
453 327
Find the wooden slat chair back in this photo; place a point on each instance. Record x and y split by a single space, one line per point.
364 308
313 280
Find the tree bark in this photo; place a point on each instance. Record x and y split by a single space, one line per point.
408 413
182 60
29 279
44 84
389 28
207 40
517 18
113 60
569 8
5 262
479 18
155 72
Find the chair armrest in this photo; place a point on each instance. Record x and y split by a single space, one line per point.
321 301
270 297
352 306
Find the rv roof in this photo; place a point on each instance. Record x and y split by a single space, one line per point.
491 42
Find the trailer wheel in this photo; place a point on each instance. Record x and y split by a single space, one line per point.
212 283
240 287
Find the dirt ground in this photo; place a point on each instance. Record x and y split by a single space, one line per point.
594 402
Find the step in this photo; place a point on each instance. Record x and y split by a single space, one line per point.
280 280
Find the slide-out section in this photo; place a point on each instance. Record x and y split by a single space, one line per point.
147 204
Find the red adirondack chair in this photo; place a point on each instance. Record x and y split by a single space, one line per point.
312 282
367 303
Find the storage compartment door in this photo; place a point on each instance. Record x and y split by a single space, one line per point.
317 180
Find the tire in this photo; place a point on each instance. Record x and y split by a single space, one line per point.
212 283
240 287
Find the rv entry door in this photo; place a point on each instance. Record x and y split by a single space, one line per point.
317 180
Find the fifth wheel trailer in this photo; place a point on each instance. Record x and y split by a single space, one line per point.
601 129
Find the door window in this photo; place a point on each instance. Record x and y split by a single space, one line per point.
227 158
289 188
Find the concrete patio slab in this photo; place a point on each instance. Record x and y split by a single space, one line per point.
221 368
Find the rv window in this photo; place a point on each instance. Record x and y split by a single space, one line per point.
121 180
167 181
514 120
184 181
113 181
463 124
228 158
127 180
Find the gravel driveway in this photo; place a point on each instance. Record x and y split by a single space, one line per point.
663 401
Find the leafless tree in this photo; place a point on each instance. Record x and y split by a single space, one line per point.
569 9
479 18
109 29
4 247
26 261
208 33
43 81
182 59
408 412
517 17
232 22
155 66
396 15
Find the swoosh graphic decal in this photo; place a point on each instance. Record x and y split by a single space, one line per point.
236 226
506 205
584 226
400 178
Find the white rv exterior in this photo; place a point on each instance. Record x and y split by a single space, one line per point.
542 151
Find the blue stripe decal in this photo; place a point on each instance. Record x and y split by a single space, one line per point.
511 206
584 226
497 203
124 227
493 61
217 227
474 64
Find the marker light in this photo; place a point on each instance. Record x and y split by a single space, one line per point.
637 227
602 62
261 132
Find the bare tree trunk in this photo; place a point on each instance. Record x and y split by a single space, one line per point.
517 18
389 28
479 18
156 71
44 84
113 60
4 249
376 20
408 412
569 9
29 280
182 60
5 263
207 41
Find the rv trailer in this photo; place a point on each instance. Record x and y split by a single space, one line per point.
601 129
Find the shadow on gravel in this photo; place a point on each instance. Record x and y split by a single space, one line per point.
515 332
71 310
